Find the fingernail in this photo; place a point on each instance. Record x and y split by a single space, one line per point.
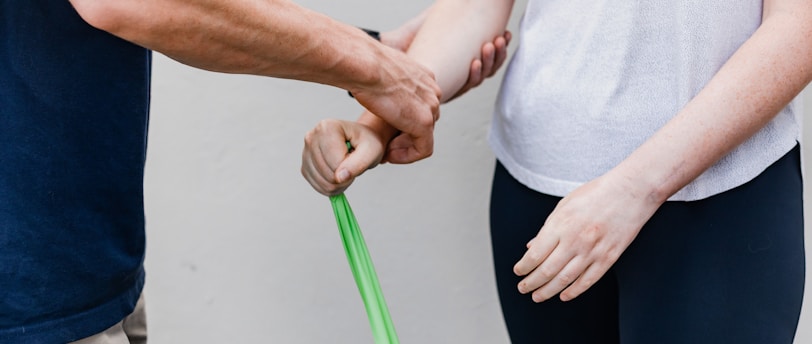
343 175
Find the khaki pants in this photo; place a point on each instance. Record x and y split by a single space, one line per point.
131 330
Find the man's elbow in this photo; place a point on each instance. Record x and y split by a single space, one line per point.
103 15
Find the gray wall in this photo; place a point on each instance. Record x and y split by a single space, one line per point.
241 250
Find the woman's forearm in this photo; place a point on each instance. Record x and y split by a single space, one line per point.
759 80
450 37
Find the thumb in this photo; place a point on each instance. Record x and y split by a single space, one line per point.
356 162
405 149
366 153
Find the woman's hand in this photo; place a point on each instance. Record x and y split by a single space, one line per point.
493 56
583 237
328 165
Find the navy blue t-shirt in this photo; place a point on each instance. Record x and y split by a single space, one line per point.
74 105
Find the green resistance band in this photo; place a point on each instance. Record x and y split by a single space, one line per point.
364 272
361 265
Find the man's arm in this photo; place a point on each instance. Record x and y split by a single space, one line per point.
280 39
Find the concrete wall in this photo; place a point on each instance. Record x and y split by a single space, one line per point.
241 250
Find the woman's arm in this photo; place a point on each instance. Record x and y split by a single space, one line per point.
760 79
593 225
452 34
493 54
280 39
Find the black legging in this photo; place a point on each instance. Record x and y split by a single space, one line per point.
726 269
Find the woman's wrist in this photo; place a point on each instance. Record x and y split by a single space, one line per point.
380 127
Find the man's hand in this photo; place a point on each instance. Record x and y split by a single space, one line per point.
408 98
583 237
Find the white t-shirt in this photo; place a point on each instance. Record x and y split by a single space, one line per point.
592 80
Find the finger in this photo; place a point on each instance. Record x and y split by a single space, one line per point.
320 166
546 271
405 149
535 254
324 175
401 150
366 154
474 75
500 51
438 93
591 276
474 79
331 145
562 280
317 181
530 243
308 175
418 137
488 59
312 155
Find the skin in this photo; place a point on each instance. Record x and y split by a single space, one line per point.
493 54
592 226
278 38
466 24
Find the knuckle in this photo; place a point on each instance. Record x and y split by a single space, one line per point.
566 278
426 121
590 233
326 124
534 256
308 139
321 125
612 255
546 273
